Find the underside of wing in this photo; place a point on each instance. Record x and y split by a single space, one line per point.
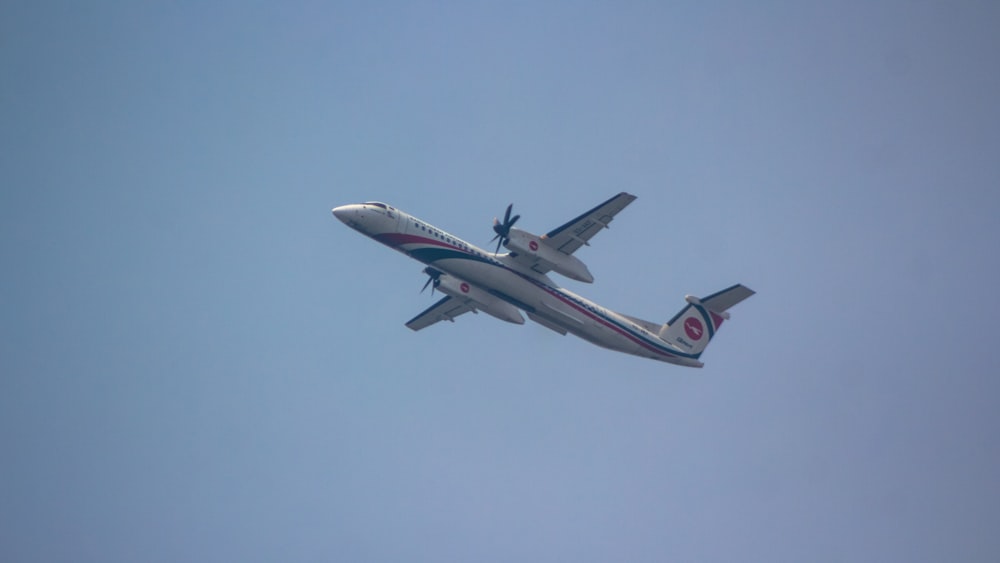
444 310
576 233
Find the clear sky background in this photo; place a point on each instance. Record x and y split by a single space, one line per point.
199 363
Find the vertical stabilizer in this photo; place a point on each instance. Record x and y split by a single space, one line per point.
696 324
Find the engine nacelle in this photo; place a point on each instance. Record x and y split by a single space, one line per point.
568 265
478 299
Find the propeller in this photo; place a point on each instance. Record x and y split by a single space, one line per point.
502 230
433 275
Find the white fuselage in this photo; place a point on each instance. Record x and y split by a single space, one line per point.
502 277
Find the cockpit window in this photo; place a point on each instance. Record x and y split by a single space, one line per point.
376 204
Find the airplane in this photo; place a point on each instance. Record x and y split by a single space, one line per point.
503 285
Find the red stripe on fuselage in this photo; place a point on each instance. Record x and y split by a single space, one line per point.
399 239
606 323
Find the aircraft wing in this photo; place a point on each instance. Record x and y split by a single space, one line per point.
444 310
579 231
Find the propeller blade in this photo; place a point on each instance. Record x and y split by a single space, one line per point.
433 275
502 230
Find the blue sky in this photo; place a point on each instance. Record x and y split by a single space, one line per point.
200 363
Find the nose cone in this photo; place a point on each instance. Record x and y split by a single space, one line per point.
342 212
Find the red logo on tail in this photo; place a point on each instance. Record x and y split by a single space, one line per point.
693 328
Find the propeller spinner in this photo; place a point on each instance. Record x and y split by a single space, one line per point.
502 230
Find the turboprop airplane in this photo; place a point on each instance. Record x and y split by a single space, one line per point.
503 285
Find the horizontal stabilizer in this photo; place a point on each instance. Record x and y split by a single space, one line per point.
719 302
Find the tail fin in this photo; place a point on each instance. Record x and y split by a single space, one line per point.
694 326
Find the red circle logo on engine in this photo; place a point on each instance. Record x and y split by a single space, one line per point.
693 328
533 245
464 287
